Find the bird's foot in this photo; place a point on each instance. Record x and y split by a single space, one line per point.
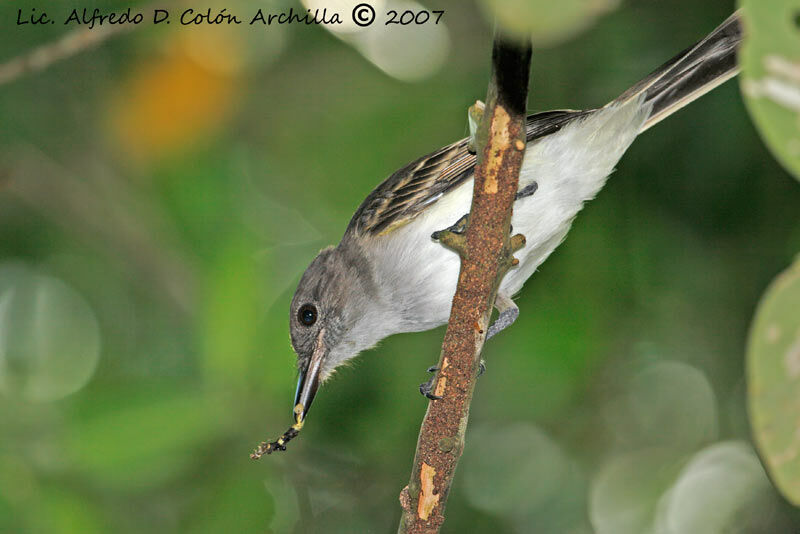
458 228
453 237
426 388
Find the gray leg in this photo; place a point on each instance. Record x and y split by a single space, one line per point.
508 310
508 314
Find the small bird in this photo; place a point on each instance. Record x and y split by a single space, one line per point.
389 275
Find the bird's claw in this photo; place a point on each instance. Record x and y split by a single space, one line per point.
426 388
458 228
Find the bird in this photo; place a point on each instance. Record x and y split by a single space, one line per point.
389 275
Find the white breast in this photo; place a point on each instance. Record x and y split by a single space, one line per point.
418 275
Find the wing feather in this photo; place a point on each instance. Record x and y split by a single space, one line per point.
404 194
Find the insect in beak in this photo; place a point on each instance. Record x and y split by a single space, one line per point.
307 385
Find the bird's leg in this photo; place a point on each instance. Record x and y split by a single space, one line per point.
426 388
453 237
508 314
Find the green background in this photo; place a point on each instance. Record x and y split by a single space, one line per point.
161 194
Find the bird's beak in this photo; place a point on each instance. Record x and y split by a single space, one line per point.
309 380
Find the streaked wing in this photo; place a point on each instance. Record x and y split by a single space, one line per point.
402 196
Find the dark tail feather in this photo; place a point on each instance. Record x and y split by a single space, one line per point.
690 74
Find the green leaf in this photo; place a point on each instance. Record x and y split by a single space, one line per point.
770 59
773 367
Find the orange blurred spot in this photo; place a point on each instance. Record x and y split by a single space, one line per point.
173 101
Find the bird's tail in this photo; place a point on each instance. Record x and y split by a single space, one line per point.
690 74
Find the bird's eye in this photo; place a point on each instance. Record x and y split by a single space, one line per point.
307 314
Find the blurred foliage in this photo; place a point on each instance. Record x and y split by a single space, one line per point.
771 84
171 101
545 22
770 79
773 375
169 187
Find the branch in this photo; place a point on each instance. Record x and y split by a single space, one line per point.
486 255
66 46
45 55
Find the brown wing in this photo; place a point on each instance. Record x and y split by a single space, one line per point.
404 194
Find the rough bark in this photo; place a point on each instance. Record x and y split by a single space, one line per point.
486 251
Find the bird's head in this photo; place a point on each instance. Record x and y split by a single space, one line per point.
329 317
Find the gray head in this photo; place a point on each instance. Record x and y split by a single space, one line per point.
329 316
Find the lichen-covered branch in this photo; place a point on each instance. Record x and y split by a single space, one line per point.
486 255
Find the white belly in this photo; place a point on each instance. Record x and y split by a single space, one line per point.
570 167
